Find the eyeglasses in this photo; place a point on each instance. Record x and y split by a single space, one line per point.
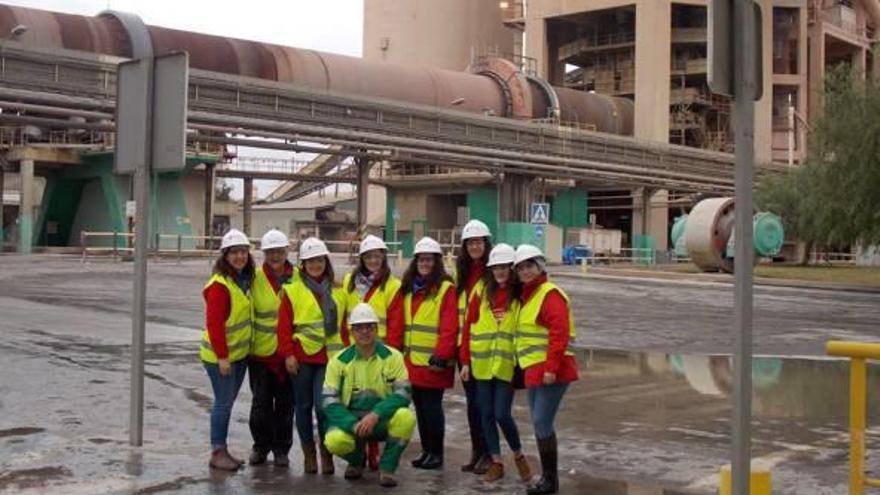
363 328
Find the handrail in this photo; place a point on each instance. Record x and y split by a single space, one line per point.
858 353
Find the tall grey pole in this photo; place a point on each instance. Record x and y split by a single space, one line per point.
142 238
745 84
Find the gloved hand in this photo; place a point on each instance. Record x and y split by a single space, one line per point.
437 363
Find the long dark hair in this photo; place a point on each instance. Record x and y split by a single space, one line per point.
464 263
514 286
222 267
328 270
385 270
438 275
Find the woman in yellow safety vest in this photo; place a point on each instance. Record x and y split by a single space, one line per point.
431 319
371 282
310 331
469 269
271 419
545 332
488 359
226 339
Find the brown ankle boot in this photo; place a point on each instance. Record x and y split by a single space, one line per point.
327 466
221 460
494 473
310 458
522 466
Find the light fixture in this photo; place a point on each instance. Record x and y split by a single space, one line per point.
504 5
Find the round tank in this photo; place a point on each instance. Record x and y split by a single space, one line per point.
677 235
768 234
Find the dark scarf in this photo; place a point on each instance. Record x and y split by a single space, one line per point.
328 305
419 283
243 280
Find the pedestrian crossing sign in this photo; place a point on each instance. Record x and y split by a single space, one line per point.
540 213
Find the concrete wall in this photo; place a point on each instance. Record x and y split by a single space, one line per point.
264 220
439 33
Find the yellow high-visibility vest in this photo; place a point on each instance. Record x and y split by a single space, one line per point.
422 330
464 302
308 319
491 342
379 300
266 302
532 339
238 324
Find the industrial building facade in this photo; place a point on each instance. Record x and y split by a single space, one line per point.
650 51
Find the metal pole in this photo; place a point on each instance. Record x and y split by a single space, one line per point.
363 190
745 89
209 203
2 188
857 412
26 207
141 245
247 205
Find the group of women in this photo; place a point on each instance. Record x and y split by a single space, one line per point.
499 319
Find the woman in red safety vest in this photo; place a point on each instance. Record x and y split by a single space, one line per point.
431 319
488 358
310 331
469 270
545 332
271 420
226 339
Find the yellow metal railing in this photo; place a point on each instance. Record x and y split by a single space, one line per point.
858 353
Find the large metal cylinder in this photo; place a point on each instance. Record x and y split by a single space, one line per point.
709 226
479 93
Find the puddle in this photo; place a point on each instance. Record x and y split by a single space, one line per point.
21 431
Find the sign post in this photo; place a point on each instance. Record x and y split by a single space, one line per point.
150 136
735 69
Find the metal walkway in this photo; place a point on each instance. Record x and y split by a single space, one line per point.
247 111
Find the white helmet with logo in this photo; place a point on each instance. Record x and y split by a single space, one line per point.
312 248
426 245
502 254
361 314
274 239
525 252
475 228
371 243
234 238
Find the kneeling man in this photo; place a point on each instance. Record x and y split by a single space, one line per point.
366 398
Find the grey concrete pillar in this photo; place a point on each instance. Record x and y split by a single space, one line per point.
248 200
363 192
209 202
26 208
515 198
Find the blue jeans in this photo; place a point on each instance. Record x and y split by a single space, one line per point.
225 391
495 400
543 404
307 385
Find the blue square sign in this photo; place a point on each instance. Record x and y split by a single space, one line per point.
539 213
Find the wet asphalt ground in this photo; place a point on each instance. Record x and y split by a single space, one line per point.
649 416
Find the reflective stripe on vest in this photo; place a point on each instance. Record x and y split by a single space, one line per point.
308 319
532 339
266 302
491 342
380 299
238 324
421 331
464 302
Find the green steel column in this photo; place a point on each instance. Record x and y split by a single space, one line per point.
26 208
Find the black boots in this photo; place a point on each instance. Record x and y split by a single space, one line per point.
549 482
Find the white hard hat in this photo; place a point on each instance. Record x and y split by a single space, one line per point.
274 239
234 238
427 245
312 248
502 254
361 314
475 228
371 243
525 252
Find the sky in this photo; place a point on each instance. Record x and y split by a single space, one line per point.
325 25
